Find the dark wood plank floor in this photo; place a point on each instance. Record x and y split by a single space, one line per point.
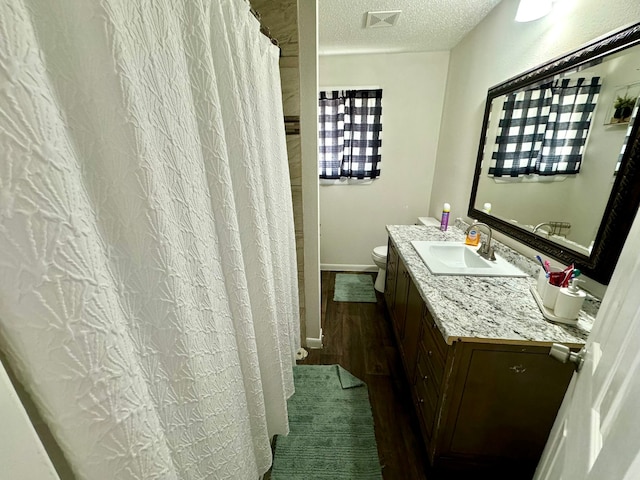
358 337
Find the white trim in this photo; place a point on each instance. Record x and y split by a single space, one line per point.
343 267
315 343
308 61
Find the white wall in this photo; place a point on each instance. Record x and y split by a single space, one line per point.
353 217
497 49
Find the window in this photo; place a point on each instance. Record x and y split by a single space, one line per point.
349 134
544 130
632 120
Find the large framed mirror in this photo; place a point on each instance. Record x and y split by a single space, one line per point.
559 152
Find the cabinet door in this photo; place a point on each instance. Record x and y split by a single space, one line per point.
400 301
503 403
412 330
390 280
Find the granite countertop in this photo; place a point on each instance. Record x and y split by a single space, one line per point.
485 309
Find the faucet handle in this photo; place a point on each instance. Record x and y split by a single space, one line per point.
487 251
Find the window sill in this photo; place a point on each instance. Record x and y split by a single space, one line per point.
532 179
345 181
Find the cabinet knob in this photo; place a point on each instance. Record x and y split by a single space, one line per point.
425 377
430 353
421 400
434 325
563 354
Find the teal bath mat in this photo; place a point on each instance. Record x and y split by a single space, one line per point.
354 287
331 433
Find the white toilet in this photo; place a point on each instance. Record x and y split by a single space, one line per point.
379 255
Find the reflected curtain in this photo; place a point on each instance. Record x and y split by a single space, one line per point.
521 128
565 136
544 130
148 284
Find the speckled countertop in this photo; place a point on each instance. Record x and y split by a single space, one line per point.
485 309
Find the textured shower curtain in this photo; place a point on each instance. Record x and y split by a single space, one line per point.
148 284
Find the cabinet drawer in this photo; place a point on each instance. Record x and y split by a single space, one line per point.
431 354
426 392
436 340
429 371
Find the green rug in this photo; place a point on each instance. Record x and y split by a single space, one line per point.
331 428
354 287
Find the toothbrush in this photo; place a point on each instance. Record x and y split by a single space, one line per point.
547 266
568 274
539 258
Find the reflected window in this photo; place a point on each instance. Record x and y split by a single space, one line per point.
634 114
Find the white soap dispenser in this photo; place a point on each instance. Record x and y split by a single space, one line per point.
569 301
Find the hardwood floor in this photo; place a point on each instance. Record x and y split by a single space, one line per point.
358 337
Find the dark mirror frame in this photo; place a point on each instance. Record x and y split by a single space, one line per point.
625 194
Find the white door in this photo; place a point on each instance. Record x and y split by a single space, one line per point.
22 456
596 435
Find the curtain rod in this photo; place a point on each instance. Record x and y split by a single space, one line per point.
263 29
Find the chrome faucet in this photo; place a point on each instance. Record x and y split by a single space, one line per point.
485 250
540 225
554 228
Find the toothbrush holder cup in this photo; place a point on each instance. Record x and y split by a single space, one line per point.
543 281
550 296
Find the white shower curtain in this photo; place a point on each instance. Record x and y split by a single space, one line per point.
148 284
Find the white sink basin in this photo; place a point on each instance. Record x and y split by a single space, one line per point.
453 258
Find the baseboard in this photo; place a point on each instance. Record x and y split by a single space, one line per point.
340 267
314 343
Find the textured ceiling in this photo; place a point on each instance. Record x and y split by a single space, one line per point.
423 25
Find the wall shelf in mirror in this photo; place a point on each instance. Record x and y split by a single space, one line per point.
624 99
601 194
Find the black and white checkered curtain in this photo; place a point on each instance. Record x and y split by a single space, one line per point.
523 120
544 130
632 120
350 133
574 101
331 134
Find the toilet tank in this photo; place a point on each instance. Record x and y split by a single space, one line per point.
428 221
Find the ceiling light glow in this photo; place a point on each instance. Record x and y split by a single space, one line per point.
530 10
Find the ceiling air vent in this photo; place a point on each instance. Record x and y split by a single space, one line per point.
382 19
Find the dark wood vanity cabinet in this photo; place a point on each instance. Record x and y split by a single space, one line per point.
406 308
482 406
502 402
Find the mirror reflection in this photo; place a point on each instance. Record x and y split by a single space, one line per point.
552 149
